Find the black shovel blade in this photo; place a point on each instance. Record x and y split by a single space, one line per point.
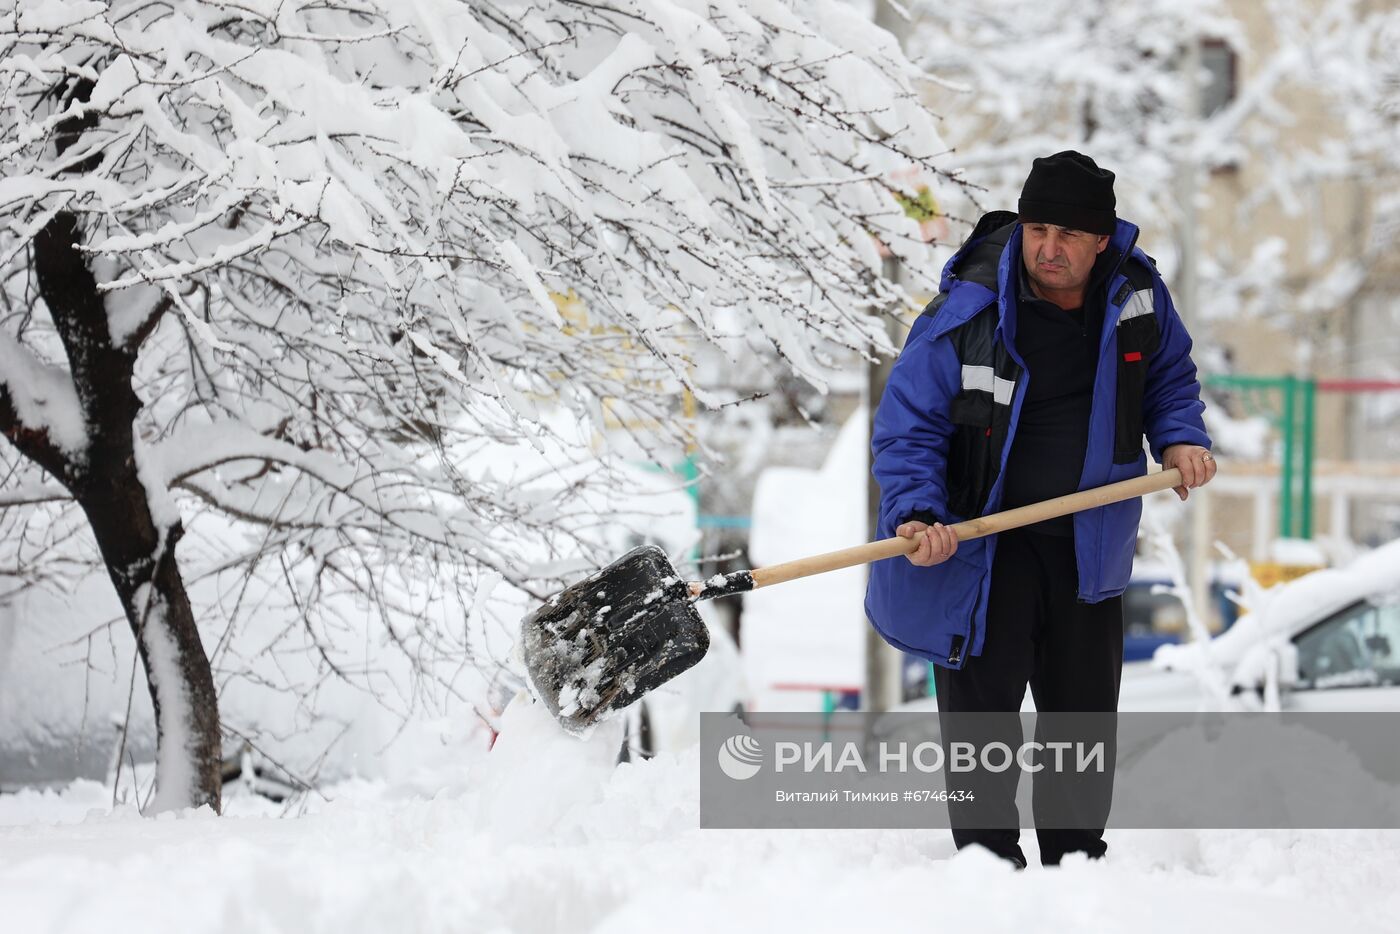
604 642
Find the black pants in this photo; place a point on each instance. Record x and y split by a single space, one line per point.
1071 655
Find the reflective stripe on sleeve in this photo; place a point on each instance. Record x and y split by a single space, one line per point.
1139 304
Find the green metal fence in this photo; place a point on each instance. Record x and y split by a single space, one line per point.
1290 403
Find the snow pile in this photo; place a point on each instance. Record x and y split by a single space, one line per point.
809 631
544 835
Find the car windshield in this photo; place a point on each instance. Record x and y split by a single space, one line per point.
1358 646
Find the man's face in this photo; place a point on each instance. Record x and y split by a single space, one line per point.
1059 259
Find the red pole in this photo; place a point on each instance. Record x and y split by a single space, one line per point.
1358 385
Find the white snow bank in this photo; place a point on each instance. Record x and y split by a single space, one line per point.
543 836
811 631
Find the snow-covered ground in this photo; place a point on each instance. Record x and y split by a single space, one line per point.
543 834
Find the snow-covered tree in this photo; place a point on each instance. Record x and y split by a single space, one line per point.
1293 104
302 263
1018 82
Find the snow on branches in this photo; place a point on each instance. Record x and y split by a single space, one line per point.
1287 109
357 249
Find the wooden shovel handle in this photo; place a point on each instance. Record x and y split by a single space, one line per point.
972 528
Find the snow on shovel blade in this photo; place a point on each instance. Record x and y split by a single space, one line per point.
604 642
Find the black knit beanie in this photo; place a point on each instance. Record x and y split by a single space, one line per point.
1069 190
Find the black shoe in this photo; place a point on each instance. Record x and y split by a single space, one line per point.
1014 856
1000 843
1054 860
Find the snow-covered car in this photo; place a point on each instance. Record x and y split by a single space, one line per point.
1329 640
1153 616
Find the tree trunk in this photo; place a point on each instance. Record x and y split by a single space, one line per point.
135 535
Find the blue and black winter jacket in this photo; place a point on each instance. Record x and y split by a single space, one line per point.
947 420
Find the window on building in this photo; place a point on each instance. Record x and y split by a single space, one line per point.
1220 63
